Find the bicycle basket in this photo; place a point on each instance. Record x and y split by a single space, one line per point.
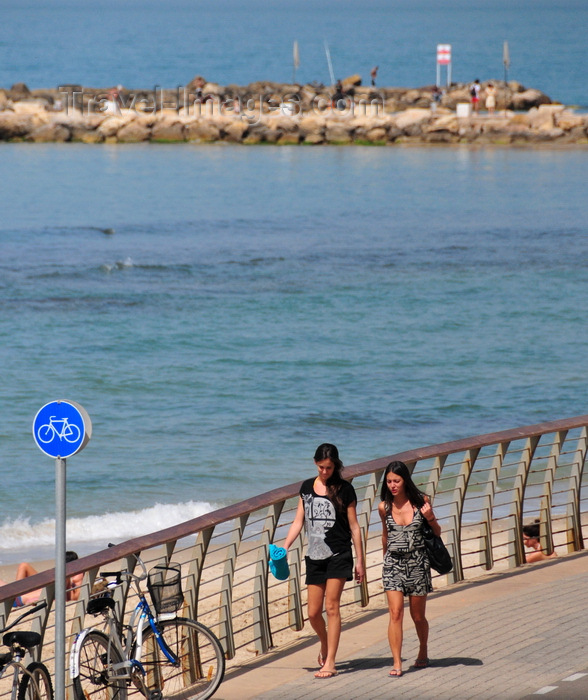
165 587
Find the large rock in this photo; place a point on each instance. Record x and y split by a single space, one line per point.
168 130
445 123
235 130
49 133
567 120
19 91
542 117
351 81
377 135
529 98
80 126
17 126
411 118
134 132
337 133
201 129
110 126
32 105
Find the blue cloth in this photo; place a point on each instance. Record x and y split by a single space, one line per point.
278 562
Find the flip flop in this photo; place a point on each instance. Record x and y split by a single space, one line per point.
325 674
395 673
421 663
320 660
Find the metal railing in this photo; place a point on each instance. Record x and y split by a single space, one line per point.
483 489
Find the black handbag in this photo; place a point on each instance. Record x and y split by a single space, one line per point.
439 557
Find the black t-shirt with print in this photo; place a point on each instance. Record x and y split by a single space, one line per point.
327 529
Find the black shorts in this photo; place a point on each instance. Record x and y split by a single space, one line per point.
338 566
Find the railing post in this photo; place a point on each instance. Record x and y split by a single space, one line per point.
192 588
226 632
574 536
361 592
295 611
77 620
456 510
546 528
516 553
488 508
261 623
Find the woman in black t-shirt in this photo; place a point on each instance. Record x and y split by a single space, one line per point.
327 509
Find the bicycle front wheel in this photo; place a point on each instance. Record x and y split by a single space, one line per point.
201 665
96 680
35 683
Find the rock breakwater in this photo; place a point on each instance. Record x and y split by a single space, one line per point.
270 113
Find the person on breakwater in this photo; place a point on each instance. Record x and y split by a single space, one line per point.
327 509
475 95
406 568
24 570
532 541
490 98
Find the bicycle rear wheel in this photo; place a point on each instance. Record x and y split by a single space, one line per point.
35 684
201 666
95 681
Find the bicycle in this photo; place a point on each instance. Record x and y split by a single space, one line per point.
163 656
69 432
31 682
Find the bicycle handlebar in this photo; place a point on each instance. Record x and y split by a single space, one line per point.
37 607
124 573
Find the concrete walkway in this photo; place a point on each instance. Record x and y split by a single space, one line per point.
519 634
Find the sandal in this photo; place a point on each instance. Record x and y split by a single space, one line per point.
395 673
325 674
421 663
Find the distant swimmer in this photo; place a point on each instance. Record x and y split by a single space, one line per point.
105 231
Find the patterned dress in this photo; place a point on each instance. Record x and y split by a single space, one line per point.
406 566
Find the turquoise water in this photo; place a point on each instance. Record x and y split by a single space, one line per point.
142 43
251 303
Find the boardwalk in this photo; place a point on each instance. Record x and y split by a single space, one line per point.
509 635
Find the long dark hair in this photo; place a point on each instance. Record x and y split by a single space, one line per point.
414 494
334 482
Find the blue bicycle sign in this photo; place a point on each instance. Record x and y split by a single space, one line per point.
69 433
61 428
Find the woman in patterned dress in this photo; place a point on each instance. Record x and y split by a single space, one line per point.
327 509
406 566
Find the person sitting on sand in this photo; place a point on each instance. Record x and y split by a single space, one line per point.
24 570
531 541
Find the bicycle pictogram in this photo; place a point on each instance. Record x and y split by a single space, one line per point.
69 432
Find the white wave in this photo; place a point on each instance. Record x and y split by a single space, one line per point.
22 535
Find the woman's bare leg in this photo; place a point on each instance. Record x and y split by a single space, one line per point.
334 590
396 610
315 602
417 605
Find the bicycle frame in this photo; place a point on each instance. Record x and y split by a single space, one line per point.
16 658
17 666
141 619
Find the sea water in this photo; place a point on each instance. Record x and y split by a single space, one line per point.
219 310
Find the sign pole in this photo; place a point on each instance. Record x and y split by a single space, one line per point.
61 429
444 59
60 511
